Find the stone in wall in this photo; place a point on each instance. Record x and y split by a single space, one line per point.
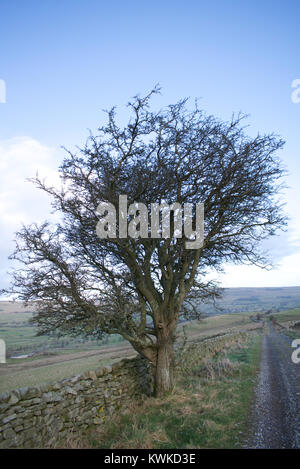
30 417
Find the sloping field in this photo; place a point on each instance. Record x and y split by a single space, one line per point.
65 363
51 369
33 371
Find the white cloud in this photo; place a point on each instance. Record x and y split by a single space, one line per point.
21 158
285 274
284 253
20 201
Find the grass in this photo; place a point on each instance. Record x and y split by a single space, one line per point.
51 373
20 337
293 334
290 315
208 408
217 323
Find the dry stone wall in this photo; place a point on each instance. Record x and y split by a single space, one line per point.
31 417
34 417
195 354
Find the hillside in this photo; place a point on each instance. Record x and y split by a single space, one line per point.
236 300
20 335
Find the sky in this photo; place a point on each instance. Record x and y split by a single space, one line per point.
63 62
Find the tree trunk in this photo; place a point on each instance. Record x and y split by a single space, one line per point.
164 372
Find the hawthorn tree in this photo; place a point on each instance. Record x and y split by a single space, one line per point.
140 287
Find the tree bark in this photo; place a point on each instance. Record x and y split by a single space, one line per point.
164 371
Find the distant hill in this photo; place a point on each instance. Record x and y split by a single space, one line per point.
237 300
234 300
14 307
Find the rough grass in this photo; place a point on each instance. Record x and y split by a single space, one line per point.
207 409
290 315
293 334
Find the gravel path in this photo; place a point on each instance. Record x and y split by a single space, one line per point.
276 412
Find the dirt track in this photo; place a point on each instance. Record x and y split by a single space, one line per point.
276 411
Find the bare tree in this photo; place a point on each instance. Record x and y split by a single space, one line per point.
139 287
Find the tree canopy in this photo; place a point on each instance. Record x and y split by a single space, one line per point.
139 287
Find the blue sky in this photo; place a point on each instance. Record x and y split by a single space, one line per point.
65 61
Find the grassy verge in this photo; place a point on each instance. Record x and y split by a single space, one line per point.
208 408
293 334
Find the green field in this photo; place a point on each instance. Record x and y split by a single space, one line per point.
50 373
217 324
70 356
290 315
20 337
